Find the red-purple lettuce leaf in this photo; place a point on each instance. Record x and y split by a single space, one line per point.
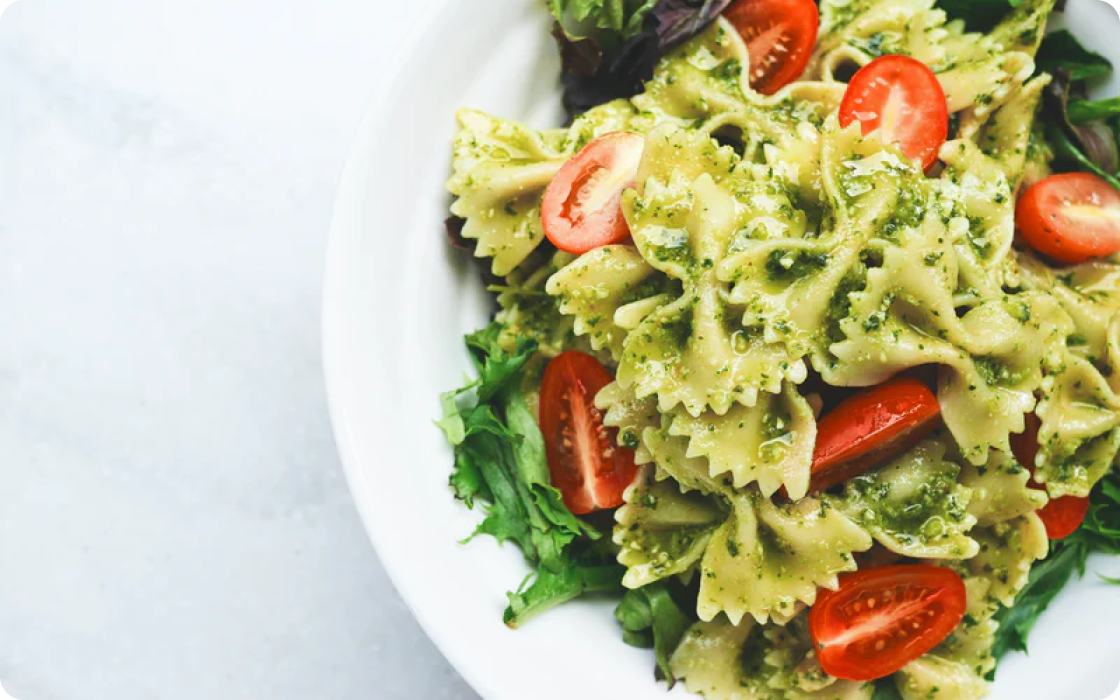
598 69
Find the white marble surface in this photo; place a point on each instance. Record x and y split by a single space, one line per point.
173 518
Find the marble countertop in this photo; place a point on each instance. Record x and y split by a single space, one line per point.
174 522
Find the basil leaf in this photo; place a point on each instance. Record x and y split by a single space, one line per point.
1062 51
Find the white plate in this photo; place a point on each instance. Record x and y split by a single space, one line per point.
397 303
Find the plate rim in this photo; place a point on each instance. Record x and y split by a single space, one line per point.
375 113
368 131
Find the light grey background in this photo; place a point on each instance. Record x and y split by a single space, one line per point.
173 518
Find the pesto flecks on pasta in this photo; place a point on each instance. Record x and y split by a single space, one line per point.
808 349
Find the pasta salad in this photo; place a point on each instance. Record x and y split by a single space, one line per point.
806 338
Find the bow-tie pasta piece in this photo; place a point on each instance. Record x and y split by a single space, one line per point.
1080 408
683 218
770 444
765 560
1008 137
501 169
702 85
1001 490
991 357
1089 293
915 506
797 287
1007 552
721 661
976 195
608 291
631 416
1080 433
662 532
986 391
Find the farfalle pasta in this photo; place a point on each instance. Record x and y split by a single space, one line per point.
813 359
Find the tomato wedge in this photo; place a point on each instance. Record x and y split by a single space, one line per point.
582 207
586 464
780 36
902 98
879 620
1061 516
868 428
1071 217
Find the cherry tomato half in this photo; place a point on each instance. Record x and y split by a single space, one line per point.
780 36
582 207
902 98
869 428
879 620
1071 217
586 464
1061 516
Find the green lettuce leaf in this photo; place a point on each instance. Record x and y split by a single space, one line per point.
651 619
589 572
1061 50
608 65
500 456
621 17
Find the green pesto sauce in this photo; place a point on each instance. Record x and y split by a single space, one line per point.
840 305
790 265
995 372
920 514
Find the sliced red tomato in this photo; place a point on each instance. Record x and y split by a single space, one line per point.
879 620
1071 217
780 36
582 207
1061 516
585 461
902 99
869 428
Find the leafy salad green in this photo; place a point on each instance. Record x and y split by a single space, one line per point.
500 463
